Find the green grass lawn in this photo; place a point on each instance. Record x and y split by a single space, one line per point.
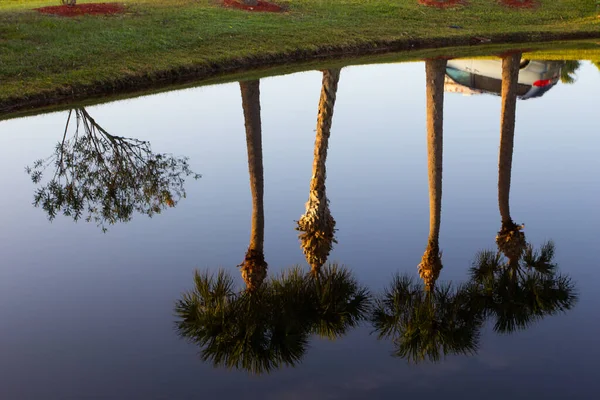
50 57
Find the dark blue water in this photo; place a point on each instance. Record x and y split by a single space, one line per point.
89 315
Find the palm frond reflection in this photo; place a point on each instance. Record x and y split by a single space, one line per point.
516 294
427 323
269 327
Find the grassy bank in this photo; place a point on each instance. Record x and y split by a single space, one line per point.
570 50
48 58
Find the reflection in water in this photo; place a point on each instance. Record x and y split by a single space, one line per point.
338 302
267 322
567 73
268 325
431 263
427 321
510 239
536 77
107 178
254 330
527 286
254 267
317 225
516 293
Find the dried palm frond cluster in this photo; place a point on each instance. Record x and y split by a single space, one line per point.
511 240
317 231
317 226
431 265
253 269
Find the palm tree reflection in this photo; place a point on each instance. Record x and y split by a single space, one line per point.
338 302
517 293
317 226
254 266
510 239
568 71
269 327
431 263
431 322
268 324
514 286
254 331
106 178
251 329
427 322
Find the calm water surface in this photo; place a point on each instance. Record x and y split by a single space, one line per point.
90 315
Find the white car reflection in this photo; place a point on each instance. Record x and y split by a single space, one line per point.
474 76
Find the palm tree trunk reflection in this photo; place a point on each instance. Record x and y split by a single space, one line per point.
431 263
317 226
254 267
510 239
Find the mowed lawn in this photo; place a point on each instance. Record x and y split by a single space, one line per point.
40 54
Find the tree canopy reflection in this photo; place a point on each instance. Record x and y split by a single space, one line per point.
517 294
251 330
267 324
269 327
427 323
337 301
106 178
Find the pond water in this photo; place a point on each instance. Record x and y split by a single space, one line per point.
88 314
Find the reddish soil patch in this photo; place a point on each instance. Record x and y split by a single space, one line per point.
519 3
262 6
83 9
441 3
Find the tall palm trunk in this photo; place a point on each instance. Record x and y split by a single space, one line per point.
317 226
510 77
431 263
510 239
254 267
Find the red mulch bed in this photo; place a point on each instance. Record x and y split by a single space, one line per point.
262 6
441 3
83 9
519 3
